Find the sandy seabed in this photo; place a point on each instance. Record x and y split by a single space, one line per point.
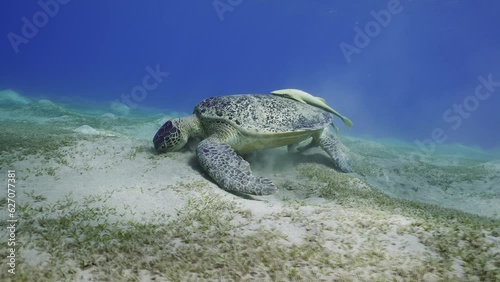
94 202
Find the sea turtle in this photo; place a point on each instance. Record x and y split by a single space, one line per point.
239 124
306 98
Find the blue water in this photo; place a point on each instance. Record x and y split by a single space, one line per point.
401 82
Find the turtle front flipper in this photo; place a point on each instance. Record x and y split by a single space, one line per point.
332 147
230 170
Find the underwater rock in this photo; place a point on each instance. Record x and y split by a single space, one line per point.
46 102
120 108
108 115
9 97
85 129
88 130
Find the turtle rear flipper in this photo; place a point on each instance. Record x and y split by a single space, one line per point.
230 170
332 147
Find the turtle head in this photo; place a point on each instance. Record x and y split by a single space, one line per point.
175 133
